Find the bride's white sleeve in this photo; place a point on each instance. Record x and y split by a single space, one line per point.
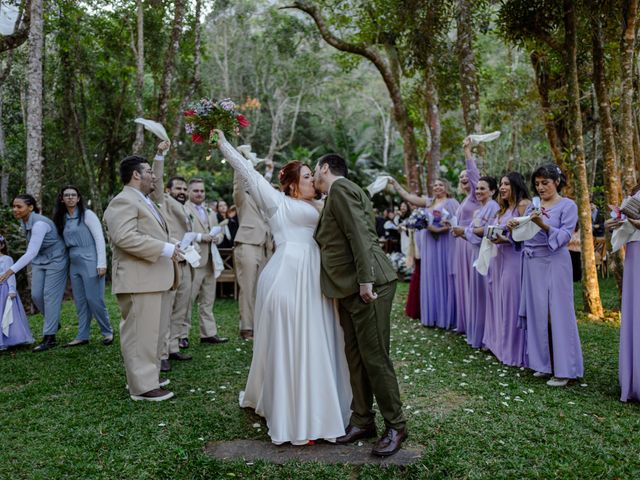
266 197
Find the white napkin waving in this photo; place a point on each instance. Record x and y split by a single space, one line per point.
7 316
192 256
485 137
218 264
488 250
624 234
154 127
525 230
378 185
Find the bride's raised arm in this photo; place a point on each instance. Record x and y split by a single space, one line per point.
266 197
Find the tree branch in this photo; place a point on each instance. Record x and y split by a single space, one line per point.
20 34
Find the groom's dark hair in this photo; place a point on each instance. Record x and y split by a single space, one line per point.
336 163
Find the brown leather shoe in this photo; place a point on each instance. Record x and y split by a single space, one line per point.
354 433
165 366
157 395
214 339
181 357
246 334
390 442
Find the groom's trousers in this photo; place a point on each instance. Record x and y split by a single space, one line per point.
367 330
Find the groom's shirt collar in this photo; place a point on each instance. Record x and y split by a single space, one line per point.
337 178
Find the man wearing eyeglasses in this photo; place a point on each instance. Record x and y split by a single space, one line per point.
143 272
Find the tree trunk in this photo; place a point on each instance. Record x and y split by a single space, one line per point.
385 68
170 62
590 288
612 185
435 127
627 46
4 173
469 91
34 102
138 50
194 84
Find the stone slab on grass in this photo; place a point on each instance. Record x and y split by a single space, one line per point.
326 453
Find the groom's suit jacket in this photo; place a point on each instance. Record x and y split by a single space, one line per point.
349 250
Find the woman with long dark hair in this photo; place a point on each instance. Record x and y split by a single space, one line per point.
546 301
49 264
506 270
82 233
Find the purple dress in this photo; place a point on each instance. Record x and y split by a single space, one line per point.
480 295
629 359
462 258
506 275
547 296
437 299
18 332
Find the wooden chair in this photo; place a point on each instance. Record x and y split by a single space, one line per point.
602 259
228 275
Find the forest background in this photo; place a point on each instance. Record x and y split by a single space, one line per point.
392 85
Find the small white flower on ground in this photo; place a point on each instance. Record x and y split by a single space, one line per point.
162 424
468 410
572 403
201 439
256 425
583 385
359 444
505 404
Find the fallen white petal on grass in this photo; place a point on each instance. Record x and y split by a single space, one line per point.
468 410
505 404
210 391
201 439
359 444
162 424
503 384
192 390
222 387
463 384
238 349
583 385
571 403
256 425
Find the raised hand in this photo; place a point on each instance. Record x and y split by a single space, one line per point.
163 147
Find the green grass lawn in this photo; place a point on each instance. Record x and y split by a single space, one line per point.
66 413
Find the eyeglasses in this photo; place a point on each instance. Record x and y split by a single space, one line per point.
69 195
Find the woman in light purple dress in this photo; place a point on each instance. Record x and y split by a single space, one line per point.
629 358
437 298
480 311
506 273
462 258
546 301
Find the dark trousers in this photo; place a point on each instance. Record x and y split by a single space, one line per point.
366 335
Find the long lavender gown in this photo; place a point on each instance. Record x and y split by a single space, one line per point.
437 298
547 296
629 359
480 296
18 332
506 275
462 258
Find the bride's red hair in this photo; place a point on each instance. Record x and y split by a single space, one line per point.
289 177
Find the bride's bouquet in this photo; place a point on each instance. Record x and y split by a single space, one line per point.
206 115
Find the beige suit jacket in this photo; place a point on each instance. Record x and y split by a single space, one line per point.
137 240
174 212
202 227
253 228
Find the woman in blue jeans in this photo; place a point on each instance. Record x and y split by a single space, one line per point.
82 233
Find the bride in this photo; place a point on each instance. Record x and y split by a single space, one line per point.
299 380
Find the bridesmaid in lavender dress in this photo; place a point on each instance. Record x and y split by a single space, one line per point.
546 301
506 273
437 298
629 358
480 298
462 257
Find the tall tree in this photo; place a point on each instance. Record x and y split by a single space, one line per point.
469 90
138 50
591 292
627 46
34 101
387 64
170 62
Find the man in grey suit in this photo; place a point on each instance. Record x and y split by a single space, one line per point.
143 272
172 206
253 247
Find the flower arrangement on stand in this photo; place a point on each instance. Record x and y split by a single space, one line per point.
206 115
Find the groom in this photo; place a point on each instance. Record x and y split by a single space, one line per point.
358 274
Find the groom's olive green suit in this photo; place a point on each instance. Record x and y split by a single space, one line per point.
351 256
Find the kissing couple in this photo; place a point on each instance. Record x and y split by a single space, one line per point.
322 312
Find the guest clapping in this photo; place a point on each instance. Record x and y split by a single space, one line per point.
82 233
49 263
546 302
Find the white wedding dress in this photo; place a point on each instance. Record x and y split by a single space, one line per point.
299 380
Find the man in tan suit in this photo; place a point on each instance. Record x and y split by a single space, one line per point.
253 247
172 206
203 288
143 271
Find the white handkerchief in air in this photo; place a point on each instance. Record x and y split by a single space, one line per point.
486 137
526 229
7 316
154 127
488 250
621 236
378 185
